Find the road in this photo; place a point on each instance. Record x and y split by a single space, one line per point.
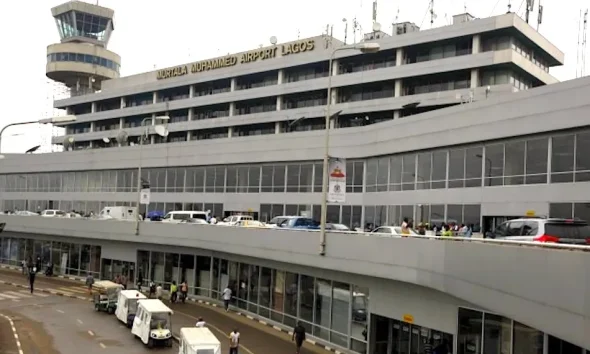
52 324
75 304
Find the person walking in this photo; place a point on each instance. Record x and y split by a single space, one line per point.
32 273
184 290
234 341
200 323
226 298
298 336
89 282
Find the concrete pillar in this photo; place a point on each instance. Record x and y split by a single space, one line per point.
92 126
476 44
122 102
280 77
121 123
233 84
232 109
155 100
93 107
191 114
396 114
189 135
399 57
474 78
279 102
230 132
277 127
191 91
397 89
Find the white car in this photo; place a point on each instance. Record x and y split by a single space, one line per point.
392 230
234 219
25 213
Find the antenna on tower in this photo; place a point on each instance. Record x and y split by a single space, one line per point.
585 26
355 25
374 11
432 14
345 30
509 7
530 4
397 15
539 16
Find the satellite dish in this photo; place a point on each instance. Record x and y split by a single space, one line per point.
106 140
68 143
376 27
122 138
161 130
273 40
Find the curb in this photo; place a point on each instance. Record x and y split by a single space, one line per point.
67 277
14 332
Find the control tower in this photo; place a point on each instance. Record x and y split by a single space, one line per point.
81 60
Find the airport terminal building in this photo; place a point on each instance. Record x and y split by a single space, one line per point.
461 123
445 124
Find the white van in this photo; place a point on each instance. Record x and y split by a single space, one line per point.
182 215
119 213
198 340
127 306
52 213
153 323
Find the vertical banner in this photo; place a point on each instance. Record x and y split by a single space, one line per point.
336 180
144 196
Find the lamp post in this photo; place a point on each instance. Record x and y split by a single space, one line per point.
364 48
161 131
52 120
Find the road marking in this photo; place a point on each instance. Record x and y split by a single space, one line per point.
79 291
102 345
25 295
36 294
8 296
80 322
91 333
17 340
60 311
216 329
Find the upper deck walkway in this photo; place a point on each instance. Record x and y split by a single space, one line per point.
545 286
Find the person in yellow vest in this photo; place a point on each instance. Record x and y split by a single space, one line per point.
446 231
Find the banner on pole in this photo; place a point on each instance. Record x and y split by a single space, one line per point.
336 180
144 196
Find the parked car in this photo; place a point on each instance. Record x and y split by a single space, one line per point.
300 222
570 231
393 230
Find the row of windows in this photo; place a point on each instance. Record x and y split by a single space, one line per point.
83 58
278 178
557 159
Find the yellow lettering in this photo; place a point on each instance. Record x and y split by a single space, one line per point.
172 72
298 47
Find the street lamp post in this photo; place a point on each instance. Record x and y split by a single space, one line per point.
364 48
160 130
52 120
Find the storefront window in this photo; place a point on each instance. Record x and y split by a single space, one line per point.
84 259
243 285
360 307
323 303
143 267
265 291
497 334
157 268
470 328
233 280
254 288
340 313
291 290
278 295
187 270
215 278
203 275
306 303
527 340
170 269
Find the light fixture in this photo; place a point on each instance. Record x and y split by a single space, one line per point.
370 47
58 119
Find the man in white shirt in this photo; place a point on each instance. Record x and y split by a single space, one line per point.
226 297
200 323
213 220
234 341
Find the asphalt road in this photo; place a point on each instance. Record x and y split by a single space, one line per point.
255 338
51 324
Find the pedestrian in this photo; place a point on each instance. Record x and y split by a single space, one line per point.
184 290
234 341
298 336
173 292
89 282
159 292
226 298
32 273
124 282
200 323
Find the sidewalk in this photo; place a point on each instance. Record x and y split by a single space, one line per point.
256 337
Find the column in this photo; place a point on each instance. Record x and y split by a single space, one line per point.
191 91
121 122
397 92
232 105
189 135
279 102
230 131
93 107
399 57
334 95
152 137
122 102
474 78
277 127
475 49
155 100
191 114
280 77
92 126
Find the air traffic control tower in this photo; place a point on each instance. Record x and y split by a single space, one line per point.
81 60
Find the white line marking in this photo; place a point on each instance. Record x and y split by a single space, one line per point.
20 351
80 322
91 333
36 294
8 296
102 345
15 300
60 311
23 295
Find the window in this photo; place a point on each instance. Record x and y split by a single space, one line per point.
514 162
536 161
562 159
494 165
582 157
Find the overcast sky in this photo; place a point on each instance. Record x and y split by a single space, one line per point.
158 34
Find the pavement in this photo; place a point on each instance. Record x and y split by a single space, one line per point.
256 337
